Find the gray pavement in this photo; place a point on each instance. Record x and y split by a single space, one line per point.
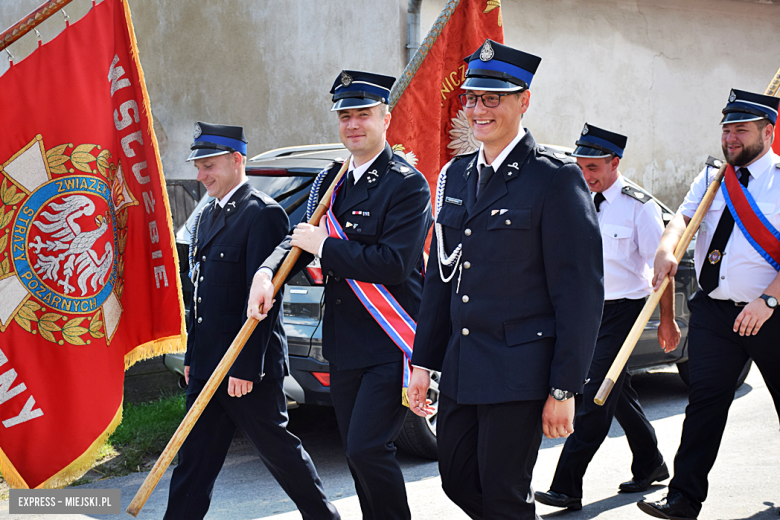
744 484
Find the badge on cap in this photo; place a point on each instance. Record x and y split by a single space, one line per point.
197 131
487 52
585 129
732 97
346 79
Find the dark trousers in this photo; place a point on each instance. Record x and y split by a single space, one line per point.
261 415
367 402
716 356
592 422
487 454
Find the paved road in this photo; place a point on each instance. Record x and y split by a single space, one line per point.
745 483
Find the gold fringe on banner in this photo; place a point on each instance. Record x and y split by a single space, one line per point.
72 471
172 344
158 347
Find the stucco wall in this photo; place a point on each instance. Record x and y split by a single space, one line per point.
659 71
265 65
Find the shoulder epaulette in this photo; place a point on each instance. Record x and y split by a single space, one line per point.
267 200
714 162
558 156
636 193
401 168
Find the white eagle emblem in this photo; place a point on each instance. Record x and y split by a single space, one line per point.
78 256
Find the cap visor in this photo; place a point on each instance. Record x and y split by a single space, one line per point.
741 117
586 151
202 153
347 103
490 85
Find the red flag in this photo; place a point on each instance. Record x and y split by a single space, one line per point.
429 125
88 274
776 142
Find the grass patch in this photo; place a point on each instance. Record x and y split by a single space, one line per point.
142 435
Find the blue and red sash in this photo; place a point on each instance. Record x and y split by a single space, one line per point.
761 234
378 301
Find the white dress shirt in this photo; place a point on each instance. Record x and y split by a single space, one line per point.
744 274
224 200
630 233
496 164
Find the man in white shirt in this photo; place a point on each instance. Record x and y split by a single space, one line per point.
733 317
631 227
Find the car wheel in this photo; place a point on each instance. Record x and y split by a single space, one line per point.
418 435
682 369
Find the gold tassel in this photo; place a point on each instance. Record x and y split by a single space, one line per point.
405 397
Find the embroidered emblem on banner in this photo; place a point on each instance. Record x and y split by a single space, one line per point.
66 243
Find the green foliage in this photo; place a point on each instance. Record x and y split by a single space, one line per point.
145 430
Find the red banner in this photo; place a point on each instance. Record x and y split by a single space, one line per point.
88 274
429 126
776 142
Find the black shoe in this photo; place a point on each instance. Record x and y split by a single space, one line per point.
636 485
551 498
673 507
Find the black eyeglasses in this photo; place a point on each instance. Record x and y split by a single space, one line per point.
491 100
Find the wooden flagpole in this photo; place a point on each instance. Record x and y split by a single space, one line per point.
30 22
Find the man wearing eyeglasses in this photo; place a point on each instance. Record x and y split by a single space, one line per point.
512 301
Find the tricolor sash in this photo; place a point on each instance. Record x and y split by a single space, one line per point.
757 229
378 301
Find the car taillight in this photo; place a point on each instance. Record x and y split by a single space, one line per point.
322 377
267 172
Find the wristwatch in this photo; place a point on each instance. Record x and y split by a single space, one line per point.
770 301
561 395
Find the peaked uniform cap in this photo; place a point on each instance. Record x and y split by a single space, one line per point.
597 142
211 140
356 89
746 106
498 68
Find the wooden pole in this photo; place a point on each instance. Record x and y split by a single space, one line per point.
154 476
30 22
655 297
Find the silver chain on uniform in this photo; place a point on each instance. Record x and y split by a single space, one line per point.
452 260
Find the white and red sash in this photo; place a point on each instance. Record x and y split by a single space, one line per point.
754 225
378 301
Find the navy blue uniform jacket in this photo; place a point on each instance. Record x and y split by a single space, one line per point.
229 251
523 313
389 212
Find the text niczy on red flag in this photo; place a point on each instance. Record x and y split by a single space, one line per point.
429 125
89 279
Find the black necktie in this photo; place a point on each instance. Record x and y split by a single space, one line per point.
215 211
484 177
598 199
710 270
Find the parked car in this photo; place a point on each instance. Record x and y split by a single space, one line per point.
286 174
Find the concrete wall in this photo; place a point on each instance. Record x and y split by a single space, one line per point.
659 71
266 65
